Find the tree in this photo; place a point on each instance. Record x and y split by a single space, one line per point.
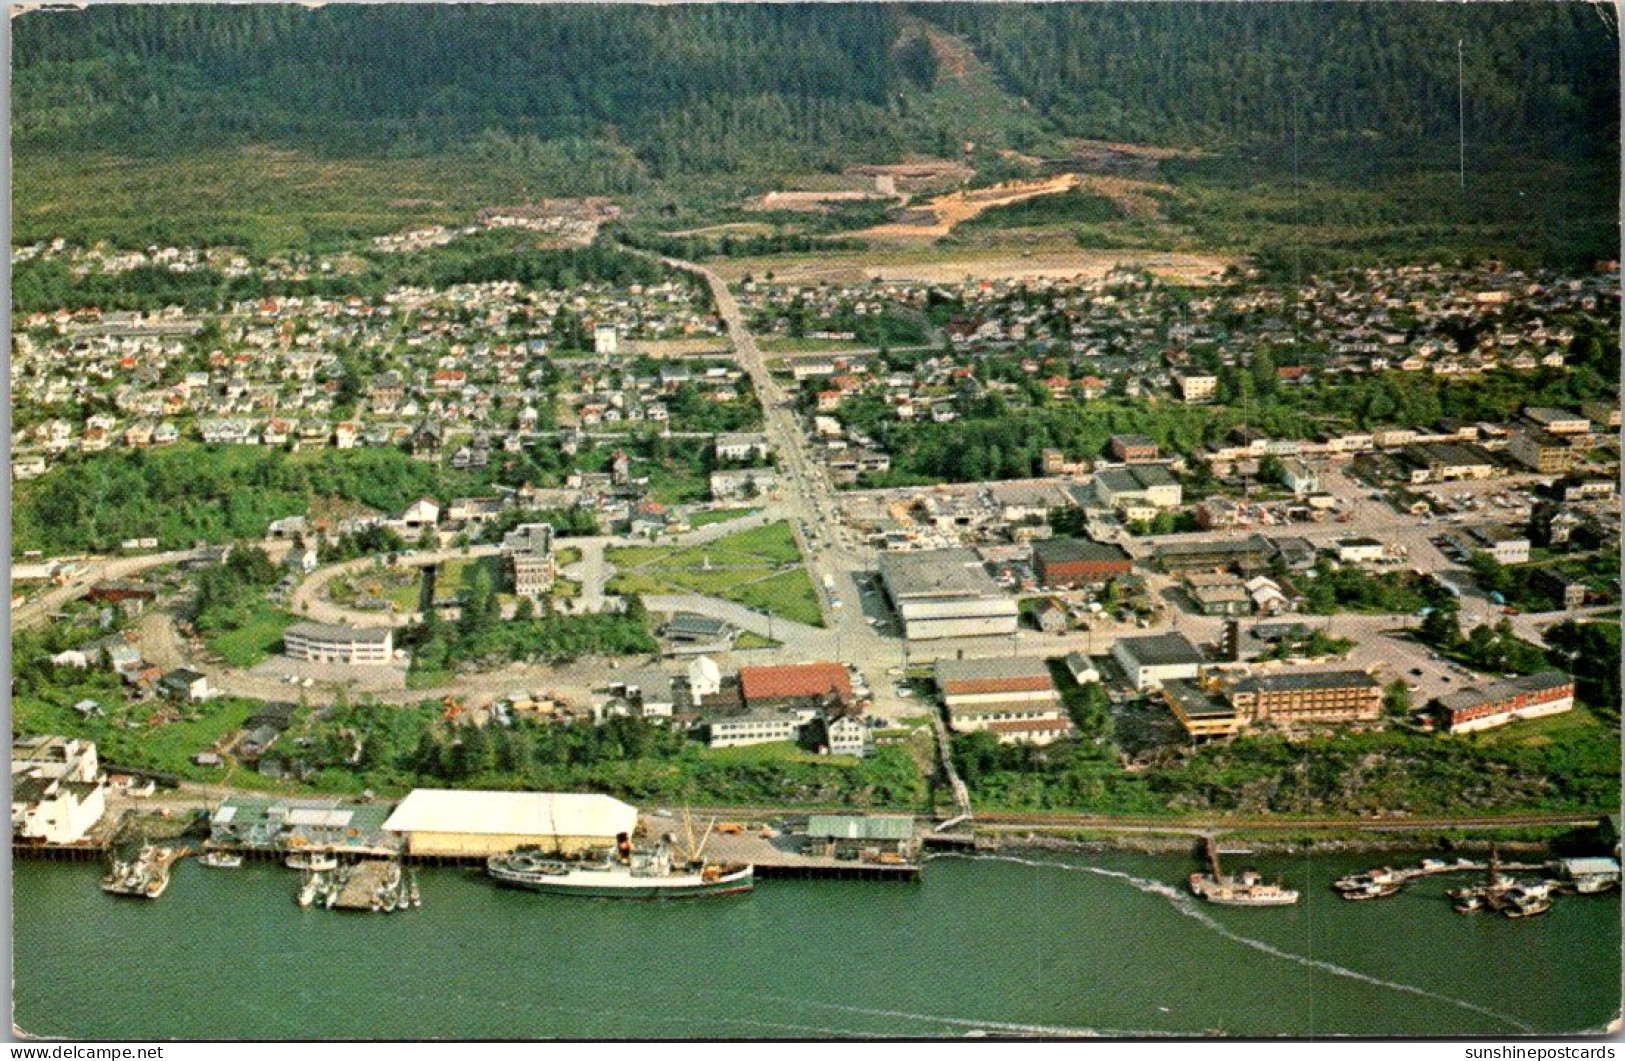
1396 699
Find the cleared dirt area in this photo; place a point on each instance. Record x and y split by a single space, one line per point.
952 266
810 200
938 216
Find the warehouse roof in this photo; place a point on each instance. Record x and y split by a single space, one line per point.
433 810
330 632
1078 550
793 681
936 573
1326 679
1160 650
1010 674
861 826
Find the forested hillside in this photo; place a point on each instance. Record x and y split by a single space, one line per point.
278 125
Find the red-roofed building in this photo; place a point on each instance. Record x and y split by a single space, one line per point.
763 686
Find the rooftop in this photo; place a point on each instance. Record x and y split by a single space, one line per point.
1078 550
936 573
1302 680
1160 650
432 810
794 681
332 632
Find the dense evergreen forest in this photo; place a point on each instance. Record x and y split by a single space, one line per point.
276 126
708 87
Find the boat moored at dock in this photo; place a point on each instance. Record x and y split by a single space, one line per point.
1247 888
643 875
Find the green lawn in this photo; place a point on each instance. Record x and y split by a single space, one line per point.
759 568
776 752
720 515
256 639
1535 732
748 640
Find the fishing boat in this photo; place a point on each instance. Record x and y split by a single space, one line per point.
145 876
1365 882
1373 889
625 874
220 860
1247 888
308 890
1526 900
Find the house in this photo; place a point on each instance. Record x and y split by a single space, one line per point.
1076 562
58 791
1051 616
1081 667
838 733
742 484
1154 659
1508 546
1571 593
691 628
421 515
1299 477
183 683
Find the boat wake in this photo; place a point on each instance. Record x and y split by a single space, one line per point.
968 1023
1186 905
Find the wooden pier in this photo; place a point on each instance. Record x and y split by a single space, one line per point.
781 857
363 883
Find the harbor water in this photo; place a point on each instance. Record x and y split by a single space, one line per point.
1019 943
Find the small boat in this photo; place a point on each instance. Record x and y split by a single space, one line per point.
1247 888
307 890
1373 889
1468 904
1527 900
1363 882
311 860
220 860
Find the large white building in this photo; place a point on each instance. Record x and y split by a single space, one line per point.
1149 661
1015 699
946 593
58 792
473 824
324 643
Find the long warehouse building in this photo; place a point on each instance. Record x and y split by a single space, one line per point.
946 593
471 824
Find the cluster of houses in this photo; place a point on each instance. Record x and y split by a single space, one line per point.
604 390
473 359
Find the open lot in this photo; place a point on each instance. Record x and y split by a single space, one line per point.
759 568
1058 259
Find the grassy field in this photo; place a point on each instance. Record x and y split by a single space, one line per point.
1537 732
720 515
776 752
759 568
748 640
256 639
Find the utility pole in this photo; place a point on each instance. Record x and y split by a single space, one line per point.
1461 121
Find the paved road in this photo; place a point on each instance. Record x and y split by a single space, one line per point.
41 605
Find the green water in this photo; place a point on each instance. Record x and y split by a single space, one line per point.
986 945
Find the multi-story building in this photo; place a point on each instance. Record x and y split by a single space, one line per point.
1015 699
1198 711
58 792
1541 451
325 643
529 549
1529 696
1195 386
1133 448
1314 696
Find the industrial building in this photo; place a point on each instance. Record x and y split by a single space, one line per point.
1076 562
1249 555
326 643
444 823
941 593
1157 658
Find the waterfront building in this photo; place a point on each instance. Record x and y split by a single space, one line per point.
477 824
272 824
1528 696
941 593
835 835
58 791
325 643
1015 699
1157 658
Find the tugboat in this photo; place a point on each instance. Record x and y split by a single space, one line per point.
1246 889
626 874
